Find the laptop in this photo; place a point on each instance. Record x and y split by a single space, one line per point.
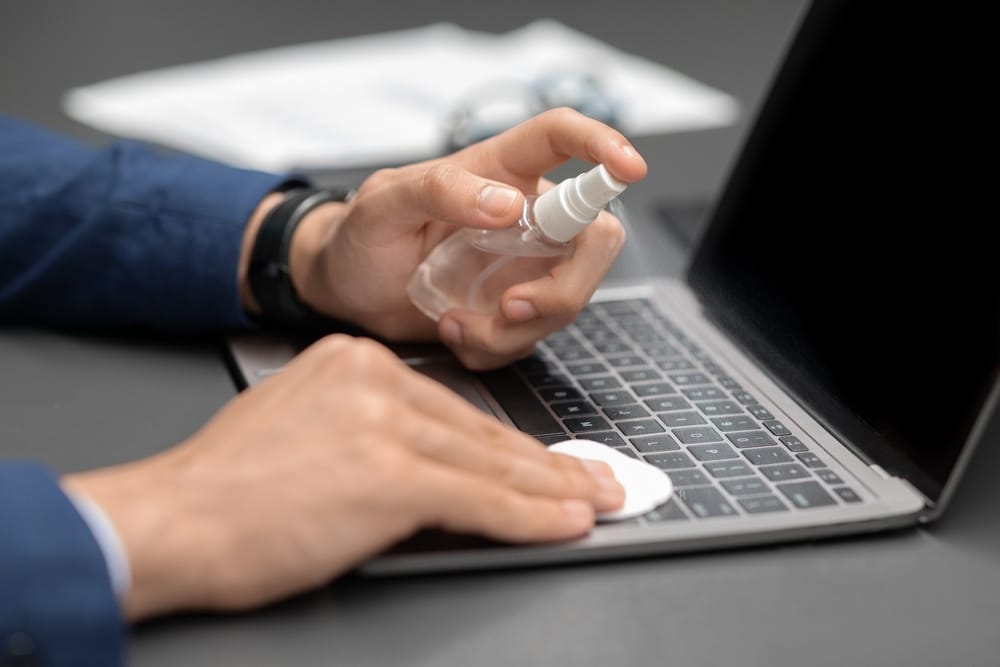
831 358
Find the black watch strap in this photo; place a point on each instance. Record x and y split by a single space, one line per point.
268 274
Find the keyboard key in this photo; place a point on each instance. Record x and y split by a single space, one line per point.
697 435
613 347
776 428
626 361
659 350
762 504
667 404
586 424
675 419
847 494
668 511
640 427
627 451
744 397
684 379
723 469
652 444
551 439
828 476
675 364
592 368
793 444
703 393
573 408
572 354
760 412
766 456
630 411
690 477
670 460
751 439
729 383
600 383
810 460
641 375
806 494
712 368
713 452
737 423
720 408
519 402
784 472
554 394
653 389
547 380
536 363
606 398
705 502
609 438
746 486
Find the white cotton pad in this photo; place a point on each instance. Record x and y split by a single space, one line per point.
646 486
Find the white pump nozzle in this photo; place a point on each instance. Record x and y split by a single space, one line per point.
564 211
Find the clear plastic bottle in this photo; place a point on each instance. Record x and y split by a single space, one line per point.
472 268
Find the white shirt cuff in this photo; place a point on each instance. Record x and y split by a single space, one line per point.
109 542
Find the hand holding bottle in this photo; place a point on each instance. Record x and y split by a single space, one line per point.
353 261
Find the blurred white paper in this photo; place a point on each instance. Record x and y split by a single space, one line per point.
376 99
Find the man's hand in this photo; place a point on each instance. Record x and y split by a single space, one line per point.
303 476
353 261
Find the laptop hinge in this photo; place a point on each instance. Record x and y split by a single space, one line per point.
880 471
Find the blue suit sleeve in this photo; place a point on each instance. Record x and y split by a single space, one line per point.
120 237
56 602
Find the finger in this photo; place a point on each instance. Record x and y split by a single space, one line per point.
403 199
460 502
482 342
523 153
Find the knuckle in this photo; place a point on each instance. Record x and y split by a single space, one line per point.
438 181
560 115
380 178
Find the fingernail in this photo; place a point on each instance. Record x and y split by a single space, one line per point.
601 472
520 310
451 331
495 200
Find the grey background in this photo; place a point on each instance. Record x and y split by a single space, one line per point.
915 597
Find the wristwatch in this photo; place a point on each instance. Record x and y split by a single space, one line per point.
268 274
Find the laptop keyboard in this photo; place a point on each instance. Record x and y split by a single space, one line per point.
625 376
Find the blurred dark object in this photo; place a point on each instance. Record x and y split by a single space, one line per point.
684 218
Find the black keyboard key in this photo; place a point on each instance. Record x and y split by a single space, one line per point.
690 477
745 398
520 404
684 379
762 504
626 361
712 368
766 456
606 398
810 460
548 380
627 451
586 424
729 383
573 354
715 452
652 444
719 408
793 444
705 502
703 393
675 365
609 438
600 383
806 494
669 460
668 511
697 435
776 428
746 486
592 368
751 439
641 375
785 472
736 423
828 476
613 347
550 394
652 389
760 412
677 419
659 350
847 494
667 404
640 427
551 439
630 411
573 408
724 469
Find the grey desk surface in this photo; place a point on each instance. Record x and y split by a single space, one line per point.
916 597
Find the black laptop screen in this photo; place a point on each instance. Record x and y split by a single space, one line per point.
852 252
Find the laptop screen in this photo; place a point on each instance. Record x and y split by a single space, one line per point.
852 252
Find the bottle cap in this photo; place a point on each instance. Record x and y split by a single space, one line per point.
564 211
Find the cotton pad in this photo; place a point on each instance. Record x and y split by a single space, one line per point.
646 486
